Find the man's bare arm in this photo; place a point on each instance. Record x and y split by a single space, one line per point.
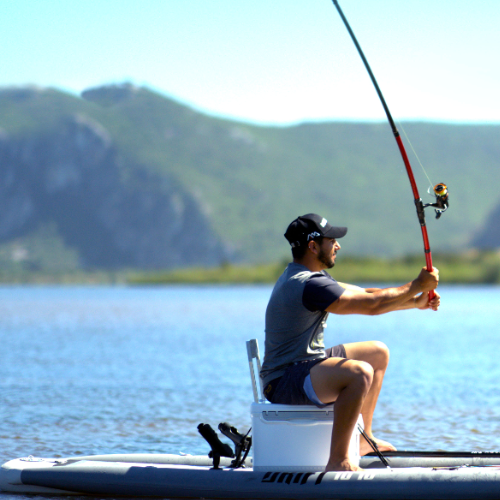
411 303
356 300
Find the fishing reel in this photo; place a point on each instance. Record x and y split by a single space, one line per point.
442 203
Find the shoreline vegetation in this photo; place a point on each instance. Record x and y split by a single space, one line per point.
473 267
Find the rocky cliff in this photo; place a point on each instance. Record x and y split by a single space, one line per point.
114 215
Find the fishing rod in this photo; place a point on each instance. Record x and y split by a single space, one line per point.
440 190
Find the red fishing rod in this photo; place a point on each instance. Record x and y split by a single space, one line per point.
440 190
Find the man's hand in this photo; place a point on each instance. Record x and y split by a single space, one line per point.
422 301
428 280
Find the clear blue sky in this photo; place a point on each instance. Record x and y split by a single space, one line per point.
266 61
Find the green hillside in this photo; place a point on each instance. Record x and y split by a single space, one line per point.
251 181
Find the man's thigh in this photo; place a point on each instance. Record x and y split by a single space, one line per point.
332 375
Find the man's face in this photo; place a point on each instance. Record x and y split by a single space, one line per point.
328 252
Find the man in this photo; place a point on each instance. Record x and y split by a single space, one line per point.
297 369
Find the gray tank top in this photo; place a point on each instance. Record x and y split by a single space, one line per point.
293 332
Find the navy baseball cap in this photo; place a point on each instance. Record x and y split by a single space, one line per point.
309 227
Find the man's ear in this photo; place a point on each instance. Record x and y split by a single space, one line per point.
312 245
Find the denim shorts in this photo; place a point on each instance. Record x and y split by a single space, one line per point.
289 389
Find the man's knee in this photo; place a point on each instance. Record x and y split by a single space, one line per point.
362 373
383 354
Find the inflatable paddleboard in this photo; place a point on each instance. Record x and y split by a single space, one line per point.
453 476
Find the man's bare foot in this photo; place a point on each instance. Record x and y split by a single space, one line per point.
365 448
342 465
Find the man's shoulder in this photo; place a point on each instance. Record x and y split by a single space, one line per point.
293 280
320 291
300 272
321 277
299 276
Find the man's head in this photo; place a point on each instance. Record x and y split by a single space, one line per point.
307 228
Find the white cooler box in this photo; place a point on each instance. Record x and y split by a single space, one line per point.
295 438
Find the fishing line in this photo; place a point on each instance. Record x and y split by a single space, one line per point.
431 184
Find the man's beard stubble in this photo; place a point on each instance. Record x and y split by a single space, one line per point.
326 259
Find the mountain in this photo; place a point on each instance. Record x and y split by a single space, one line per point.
488 236
70 176
125 177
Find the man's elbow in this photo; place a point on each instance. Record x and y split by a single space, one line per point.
374 312
364 310
374 308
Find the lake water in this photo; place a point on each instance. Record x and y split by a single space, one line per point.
91 370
